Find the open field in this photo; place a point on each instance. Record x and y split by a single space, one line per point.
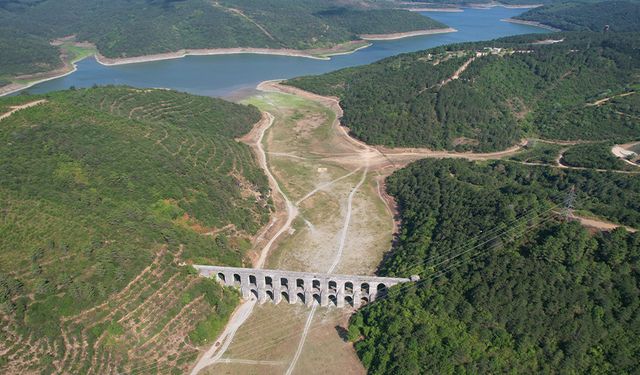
338 228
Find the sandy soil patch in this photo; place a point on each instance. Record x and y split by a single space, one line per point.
318 53
599 224
600 102
625 154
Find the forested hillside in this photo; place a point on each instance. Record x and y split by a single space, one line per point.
104 194
126 28
617 15
24 54
427 3
488 95
507 286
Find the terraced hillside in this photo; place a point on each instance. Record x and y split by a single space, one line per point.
488 95
105 194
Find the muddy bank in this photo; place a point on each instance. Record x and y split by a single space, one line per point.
318 54
407 34
531 23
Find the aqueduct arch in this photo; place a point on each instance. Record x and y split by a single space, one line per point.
302 287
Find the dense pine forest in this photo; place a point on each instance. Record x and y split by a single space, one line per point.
617 15
25 54
104 194
126 28
507 284
488 95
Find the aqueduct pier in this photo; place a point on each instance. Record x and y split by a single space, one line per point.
305 287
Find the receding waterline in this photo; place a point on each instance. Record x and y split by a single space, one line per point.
225 75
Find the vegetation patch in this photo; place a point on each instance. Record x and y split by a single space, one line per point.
94 185
491 94
587 15
125 28
596 155
500 293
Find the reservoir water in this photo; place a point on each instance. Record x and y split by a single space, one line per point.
229 75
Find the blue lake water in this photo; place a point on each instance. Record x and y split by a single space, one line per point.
229 75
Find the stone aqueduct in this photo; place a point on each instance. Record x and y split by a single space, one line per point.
305 287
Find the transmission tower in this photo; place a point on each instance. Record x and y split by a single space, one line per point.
569 204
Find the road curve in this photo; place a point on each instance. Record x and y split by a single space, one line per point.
242 313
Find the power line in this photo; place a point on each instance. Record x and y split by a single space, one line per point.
394 292
569 203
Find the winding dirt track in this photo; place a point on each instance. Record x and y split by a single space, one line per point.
291 209
17 108
336 261
242 313
622 152
379 157
358 156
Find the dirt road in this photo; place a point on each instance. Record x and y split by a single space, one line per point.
291 209
336 261
380 157
242 313
334 217
17 108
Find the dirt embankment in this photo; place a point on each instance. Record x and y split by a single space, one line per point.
434 9
407 34
317 53
202 52
286 211
67 66
530 23
625 154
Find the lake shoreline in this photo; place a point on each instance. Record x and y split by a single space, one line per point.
408 34
433 7
67 69
71 67
426 9
531 23
37 81
316 54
